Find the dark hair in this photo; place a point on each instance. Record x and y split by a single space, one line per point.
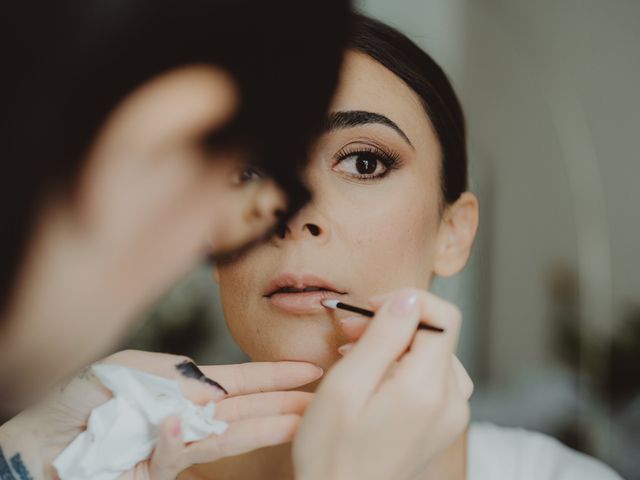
67 63
424 76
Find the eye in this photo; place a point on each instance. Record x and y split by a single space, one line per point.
249 174
365 163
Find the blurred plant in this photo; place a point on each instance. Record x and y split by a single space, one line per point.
613 367
620 383
180 321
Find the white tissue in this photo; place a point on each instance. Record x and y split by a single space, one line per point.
124 431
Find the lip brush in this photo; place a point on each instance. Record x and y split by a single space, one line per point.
338 305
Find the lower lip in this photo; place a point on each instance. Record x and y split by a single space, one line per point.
302 303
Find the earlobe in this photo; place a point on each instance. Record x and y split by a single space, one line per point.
457 233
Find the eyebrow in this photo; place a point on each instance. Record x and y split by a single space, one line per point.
355 118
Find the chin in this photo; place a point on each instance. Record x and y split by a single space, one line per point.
322 356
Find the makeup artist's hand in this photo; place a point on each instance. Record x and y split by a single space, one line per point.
253 401
397 399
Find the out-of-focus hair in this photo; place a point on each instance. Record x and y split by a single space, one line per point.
67 63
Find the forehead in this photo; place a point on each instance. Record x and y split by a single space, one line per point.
367 85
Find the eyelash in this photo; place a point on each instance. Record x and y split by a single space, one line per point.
389 159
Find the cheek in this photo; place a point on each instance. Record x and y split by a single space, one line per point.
391 243
240 293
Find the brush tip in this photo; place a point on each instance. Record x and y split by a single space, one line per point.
330 303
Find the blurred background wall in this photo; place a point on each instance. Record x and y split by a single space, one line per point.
550 297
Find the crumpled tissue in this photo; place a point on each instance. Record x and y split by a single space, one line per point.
124 431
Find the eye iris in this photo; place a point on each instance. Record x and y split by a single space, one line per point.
366 165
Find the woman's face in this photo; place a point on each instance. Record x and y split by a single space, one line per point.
373 226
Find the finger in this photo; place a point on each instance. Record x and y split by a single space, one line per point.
194 383
463 380
257 377
430 354
344 349
263 405
354 327
386 338
244 436
167 460
378 300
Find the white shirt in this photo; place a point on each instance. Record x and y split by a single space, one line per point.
496 453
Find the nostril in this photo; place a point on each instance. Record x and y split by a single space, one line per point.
313 229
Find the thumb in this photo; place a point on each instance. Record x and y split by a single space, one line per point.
386 338
168 458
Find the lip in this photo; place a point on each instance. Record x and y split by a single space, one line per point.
300 302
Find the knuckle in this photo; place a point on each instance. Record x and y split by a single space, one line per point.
469 388
238 379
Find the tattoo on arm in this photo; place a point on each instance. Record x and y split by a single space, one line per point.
18 465
20 468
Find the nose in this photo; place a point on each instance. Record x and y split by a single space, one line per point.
269 200
307 224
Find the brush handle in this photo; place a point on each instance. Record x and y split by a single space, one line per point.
369 313
354 309
431 328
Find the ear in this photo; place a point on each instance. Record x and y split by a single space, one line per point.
458 229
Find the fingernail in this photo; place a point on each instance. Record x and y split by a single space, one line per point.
176 430
191 370
214 384
344 349
404 304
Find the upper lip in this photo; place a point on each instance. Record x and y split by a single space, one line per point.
298 283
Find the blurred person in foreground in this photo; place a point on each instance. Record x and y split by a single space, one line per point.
130 131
